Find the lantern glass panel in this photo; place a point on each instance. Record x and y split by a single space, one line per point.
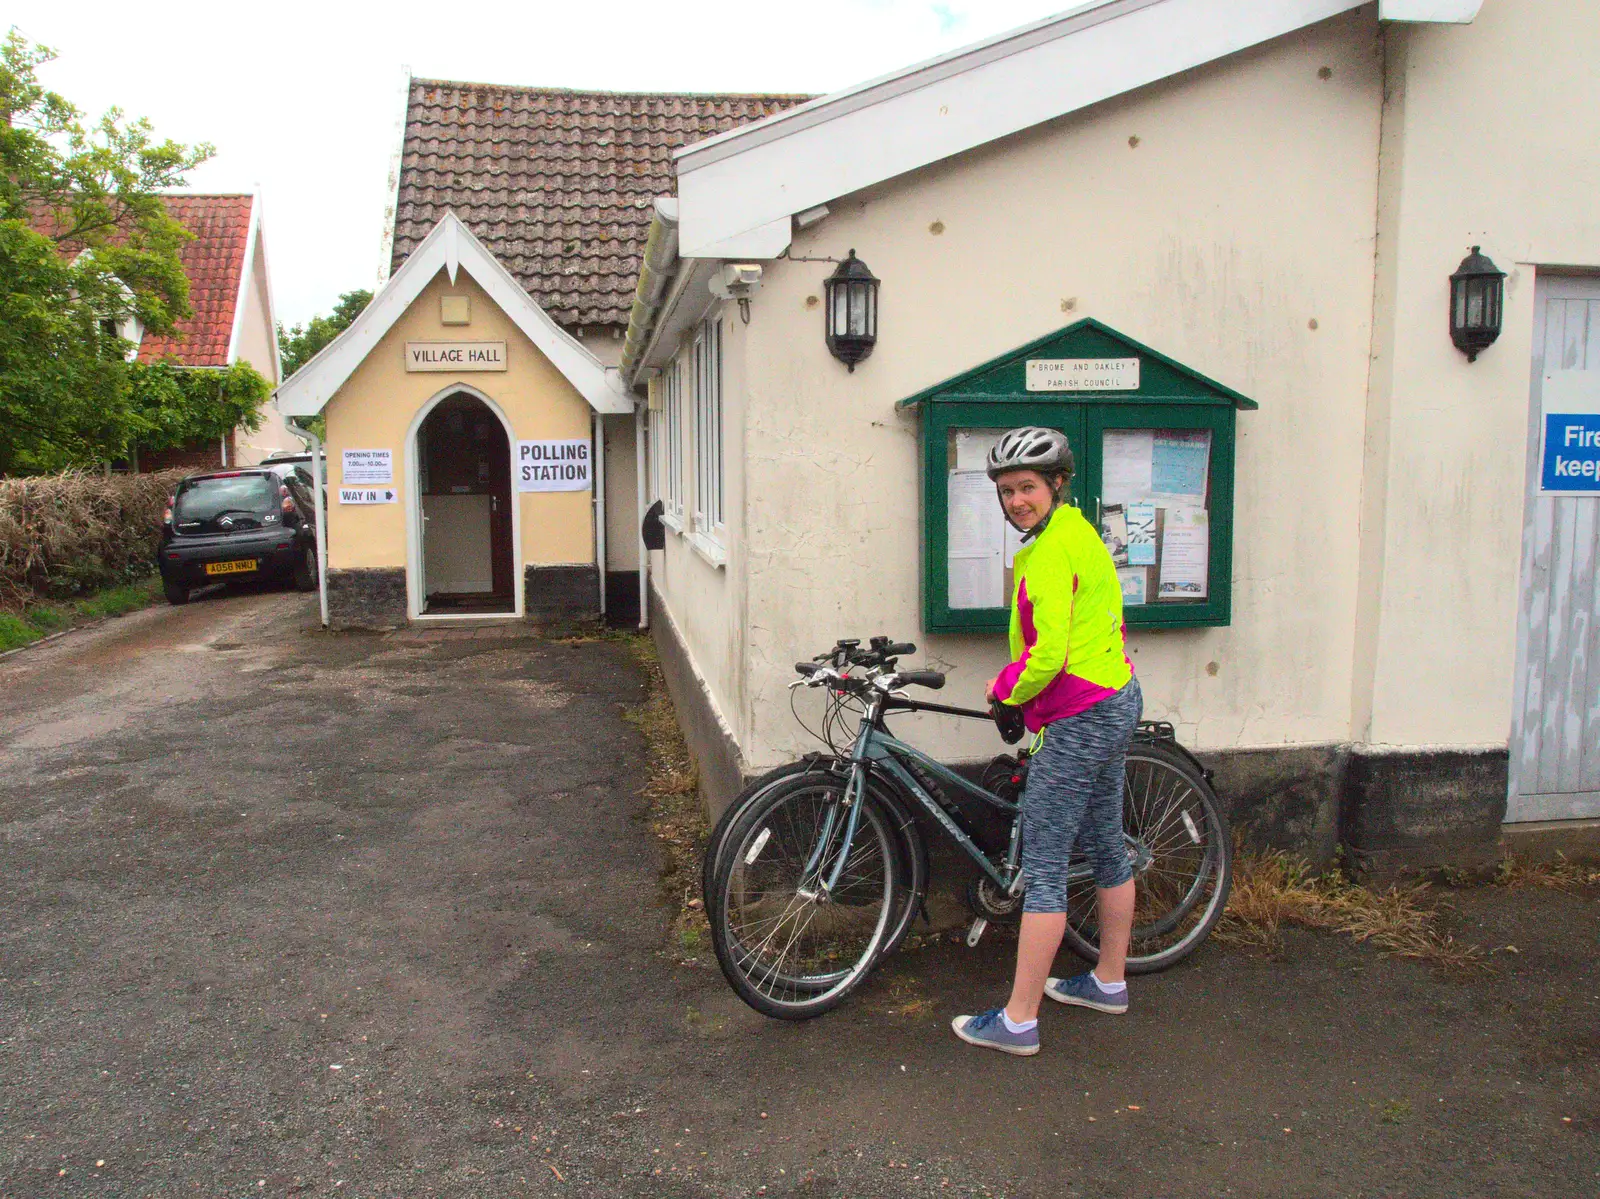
1475 303
858 309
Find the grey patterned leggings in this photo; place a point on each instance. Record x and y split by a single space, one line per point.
1074 796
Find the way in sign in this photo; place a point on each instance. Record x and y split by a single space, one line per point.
368 495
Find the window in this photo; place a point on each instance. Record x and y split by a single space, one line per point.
1153 443
666 443
706 368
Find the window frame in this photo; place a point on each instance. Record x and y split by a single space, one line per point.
705 358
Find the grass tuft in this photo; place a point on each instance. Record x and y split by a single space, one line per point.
675 813
1560 874
1272 890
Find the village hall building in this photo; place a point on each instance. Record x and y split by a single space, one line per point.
1313 287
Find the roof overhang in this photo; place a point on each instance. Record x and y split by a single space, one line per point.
450 247
738 190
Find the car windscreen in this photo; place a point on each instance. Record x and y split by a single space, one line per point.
223 504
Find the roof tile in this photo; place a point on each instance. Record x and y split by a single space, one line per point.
558 184
214 263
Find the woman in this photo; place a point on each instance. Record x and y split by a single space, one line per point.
1073 681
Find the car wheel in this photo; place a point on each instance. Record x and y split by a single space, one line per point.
305 571
174 593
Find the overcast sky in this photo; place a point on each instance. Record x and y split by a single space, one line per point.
303 99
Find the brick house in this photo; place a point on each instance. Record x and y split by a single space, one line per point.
232 321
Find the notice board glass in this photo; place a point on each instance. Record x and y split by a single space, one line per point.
1153 444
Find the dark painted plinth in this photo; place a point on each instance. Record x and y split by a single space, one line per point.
561 593
622 599
1418 809
371 598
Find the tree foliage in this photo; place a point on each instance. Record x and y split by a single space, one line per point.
86 244
299 344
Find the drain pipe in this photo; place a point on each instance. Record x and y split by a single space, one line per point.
639 426
314 443
600 507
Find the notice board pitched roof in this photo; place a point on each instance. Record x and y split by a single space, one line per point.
558 184
214 263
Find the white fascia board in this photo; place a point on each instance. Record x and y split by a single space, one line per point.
683 307
450 247
246 273
749 178
1430 12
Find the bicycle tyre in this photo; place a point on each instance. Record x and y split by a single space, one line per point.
1166 793
760 887
914 846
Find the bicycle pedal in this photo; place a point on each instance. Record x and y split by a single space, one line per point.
976 931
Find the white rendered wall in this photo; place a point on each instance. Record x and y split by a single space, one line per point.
1491 139
1243 213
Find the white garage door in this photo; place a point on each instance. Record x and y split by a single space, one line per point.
1555 733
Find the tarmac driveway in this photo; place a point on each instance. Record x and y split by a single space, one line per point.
290 913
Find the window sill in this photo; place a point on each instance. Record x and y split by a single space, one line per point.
672 522
709 550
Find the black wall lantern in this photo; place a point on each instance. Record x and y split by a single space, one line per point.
1477 291
851 311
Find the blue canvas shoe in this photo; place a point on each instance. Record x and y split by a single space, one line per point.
1083 990
988 1031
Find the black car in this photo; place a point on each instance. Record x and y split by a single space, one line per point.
237 525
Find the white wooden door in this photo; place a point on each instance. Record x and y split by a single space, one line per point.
1555 728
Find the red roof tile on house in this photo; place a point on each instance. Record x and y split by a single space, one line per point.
214 263
558 184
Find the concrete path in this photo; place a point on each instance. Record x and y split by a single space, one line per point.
284 913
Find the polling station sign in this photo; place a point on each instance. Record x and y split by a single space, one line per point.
554 465
1569 458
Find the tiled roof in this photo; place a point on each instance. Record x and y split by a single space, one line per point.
558 184
213 261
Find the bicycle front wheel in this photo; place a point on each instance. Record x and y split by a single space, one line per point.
1183 863
789 947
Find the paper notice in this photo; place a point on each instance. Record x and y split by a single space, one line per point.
976 550
1185 553
1180 460
1013 537
975 518
1126 466
973 446
1114 532
977 582
1141 520
1133 580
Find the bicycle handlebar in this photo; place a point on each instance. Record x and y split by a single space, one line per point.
932 679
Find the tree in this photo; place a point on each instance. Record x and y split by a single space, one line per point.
299 344
85 244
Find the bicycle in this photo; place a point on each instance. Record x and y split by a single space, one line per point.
818 869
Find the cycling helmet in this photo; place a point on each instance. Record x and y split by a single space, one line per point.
1031 448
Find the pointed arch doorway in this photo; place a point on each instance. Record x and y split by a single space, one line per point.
465 507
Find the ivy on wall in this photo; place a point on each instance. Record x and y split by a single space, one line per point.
172 406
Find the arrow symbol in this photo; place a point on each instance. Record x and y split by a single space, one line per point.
388 495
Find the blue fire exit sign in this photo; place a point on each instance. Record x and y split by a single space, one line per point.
1569 460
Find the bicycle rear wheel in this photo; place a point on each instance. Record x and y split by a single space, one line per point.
1183 867
788 949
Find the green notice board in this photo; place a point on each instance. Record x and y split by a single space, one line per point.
1154 446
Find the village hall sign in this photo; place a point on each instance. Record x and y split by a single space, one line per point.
455 355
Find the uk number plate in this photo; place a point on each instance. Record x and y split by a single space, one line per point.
242 566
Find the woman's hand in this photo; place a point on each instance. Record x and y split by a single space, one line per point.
988 694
